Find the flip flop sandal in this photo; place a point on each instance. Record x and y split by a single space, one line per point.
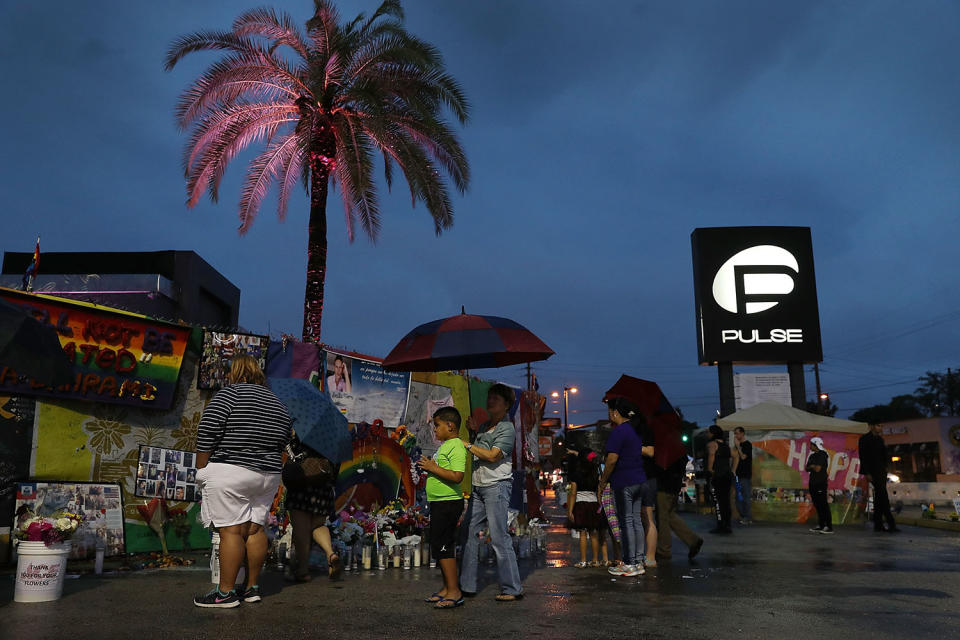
581 565
453 603
335 568
434 599
509 597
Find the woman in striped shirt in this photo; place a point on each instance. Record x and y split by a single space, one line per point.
240 443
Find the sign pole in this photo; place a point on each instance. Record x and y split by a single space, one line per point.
728 402
798 386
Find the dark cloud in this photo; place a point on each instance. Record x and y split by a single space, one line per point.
602 135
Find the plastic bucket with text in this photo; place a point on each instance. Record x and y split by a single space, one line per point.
40 571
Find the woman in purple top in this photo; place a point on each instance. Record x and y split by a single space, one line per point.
624 471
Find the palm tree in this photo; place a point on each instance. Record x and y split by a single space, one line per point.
324 105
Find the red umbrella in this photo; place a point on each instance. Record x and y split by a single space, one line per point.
466 341
660 415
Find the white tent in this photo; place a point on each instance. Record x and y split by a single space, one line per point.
770 415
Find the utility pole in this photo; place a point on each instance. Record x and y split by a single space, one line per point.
816 376
529 379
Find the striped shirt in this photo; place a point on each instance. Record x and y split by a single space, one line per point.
246 425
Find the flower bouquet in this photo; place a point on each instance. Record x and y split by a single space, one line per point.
53 529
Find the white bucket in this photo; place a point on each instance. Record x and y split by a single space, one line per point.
40 571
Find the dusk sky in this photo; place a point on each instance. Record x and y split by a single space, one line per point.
601 135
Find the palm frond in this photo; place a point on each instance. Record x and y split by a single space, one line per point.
288 178
354 172
322 28
205 41
280 29
227 80
263 170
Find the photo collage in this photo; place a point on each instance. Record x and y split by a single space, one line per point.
218 352
100 504
170 474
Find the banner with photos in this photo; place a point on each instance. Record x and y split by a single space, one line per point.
100 504
170 474
363 391
218 352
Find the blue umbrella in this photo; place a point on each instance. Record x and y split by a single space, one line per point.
316 420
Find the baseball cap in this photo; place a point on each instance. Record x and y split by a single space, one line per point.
817 441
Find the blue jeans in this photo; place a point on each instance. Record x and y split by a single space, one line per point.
743 506
629 506
488 506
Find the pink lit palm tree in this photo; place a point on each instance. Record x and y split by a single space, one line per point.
324 104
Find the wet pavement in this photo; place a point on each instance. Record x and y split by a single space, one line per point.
763 581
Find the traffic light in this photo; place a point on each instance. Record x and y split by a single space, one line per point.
685 438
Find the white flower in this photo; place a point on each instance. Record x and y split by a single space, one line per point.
64 524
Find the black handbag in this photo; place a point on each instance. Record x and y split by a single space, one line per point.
306 470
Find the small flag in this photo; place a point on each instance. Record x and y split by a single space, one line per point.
31 271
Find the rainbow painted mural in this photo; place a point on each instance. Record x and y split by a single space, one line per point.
379 465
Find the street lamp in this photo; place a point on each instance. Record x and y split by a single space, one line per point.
566 405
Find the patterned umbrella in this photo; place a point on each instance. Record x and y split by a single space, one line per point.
30 348
466 342
661 416
316 420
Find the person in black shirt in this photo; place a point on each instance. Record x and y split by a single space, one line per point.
873 465
721 477
648 493
743 470
817 465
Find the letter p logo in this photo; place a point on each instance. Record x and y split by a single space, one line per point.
755 279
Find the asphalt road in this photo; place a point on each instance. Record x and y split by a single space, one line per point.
764 581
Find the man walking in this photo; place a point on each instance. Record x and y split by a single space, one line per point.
668 521
873 465
743 470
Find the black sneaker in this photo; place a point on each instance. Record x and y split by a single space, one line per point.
817 529
827 530
251 594
217 600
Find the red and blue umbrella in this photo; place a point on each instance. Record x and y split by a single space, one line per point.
466 341
660 415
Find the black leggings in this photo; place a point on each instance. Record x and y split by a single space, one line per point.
721 496
818 495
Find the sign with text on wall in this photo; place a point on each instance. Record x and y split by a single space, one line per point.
756 295
363 391
118 357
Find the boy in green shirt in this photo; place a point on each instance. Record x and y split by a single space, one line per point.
446 471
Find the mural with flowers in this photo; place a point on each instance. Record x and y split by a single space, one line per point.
99 442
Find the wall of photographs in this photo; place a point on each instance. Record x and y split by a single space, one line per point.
218 351
100 504
170 474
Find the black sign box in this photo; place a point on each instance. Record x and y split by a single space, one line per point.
756 295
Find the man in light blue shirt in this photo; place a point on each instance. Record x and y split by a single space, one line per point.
492 484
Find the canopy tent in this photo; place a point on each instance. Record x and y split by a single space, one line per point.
770 415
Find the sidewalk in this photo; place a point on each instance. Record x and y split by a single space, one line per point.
763 581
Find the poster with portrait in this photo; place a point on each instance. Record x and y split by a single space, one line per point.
170 474
218 352
363 391
101 505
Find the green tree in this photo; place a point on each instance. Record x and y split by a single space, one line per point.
324 105
902 407
822 408
939 393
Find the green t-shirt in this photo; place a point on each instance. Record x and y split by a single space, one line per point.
451 455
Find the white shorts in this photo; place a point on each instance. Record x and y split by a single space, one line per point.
233 495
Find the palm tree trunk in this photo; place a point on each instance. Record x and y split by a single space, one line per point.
316 247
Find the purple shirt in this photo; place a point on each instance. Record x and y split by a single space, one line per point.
628 471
